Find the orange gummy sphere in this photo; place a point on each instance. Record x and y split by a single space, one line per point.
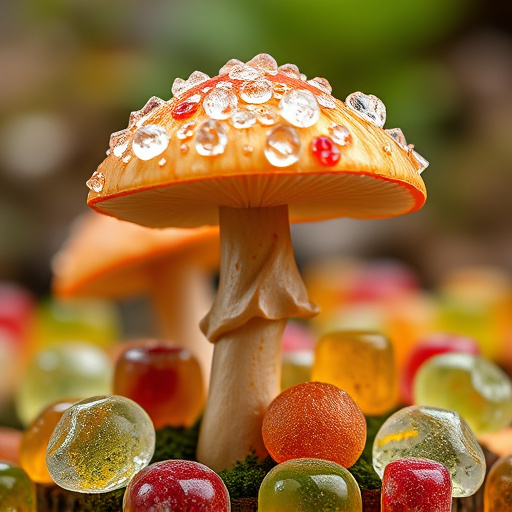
314 420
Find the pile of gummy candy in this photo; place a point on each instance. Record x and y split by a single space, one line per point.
434 365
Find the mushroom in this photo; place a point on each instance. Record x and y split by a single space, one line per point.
107 258
253 149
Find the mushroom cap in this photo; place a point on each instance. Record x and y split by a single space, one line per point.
257 136
108 258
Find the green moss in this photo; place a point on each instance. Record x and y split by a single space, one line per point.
176 443
244 479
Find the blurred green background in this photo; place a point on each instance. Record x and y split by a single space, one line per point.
72 70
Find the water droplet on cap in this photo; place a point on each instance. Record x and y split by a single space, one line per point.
244 72
243 118
387 149
162 162
282 147
247 149
398 136
303 77
340 134
280 89
224 85
224 70
184 148
181 86
422 162
211 138
325 100
321 83
257 91
119 142
220 103
186 131
96 182
264 62
137 117
267 116
290 70
127 158
300 108
150 141
368 107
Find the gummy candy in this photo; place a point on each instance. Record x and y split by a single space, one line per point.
99 444
176 485
428 347
362 364
416 485
309 485
17 491
314 420
474 387
75 369
165 380
35 440
431 433
498 486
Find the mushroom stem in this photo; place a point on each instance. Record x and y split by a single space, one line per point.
260 288
182 294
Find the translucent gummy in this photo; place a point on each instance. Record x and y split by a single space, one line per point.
257 91
290 70
244 72
300 108
99 444
264 62
224 70
211 138
282 147
436 434
220 103
150 141
321 83
368 107
243 118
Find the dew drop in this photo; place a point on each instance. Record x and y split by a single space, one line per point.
186 131
127 158
325 151
280 89
422 162
300 108
368 107
243 118
185 110
398 136
267 116
282 147
224 70
205 90
108 152
321 83
119 142
340 134
244 72
387 149
211 138
150 141
224 85
96 182
264 62
326 100
290 70
184 148
247 149
162 162
220 103
303 77
179 86
257 91
137 117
